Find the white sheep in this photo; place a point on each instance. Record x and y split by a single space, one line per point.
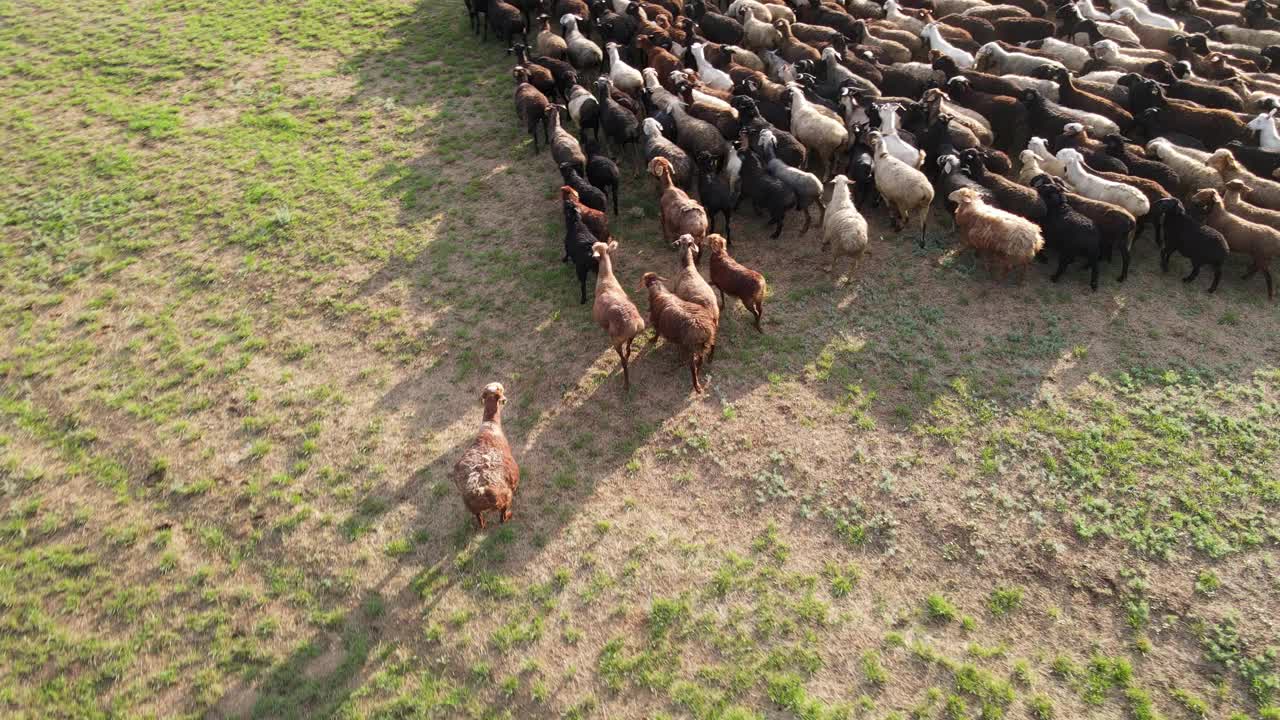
583 53
996 60
893 13
893 142
819 129
844 229
1092 186
1048 163
1144 14
623 76
1030 167
766 12
1191 165
1073 56
1268 136
713 76
1248 36
906 189
934 37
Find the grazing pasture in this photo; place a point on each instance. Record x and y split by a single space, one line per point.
259 260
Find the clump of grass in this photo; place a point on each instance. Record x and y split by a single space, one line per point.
939 609
1004 600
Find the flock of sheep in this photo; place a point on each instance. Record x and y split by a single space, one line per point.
1043 128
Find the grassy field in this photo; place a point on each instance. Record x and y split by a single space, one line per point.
257 261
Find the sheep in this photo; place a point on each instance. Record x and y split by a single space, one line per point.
1233 197
1005 193
1007 116
1197 242
1218 126
622 75
583 53
936 42
1262 163
697 136
996 236
547 43
722 117
1262 192
578 241
596 221
688 283
656 145
1069 233
728 275
1051 164
1073 57
893 142
564 146
1193 173
592 196
767 11
1031 167
584 110
1212 96
788 149
680 214
681 323
1154 36
613 311
893 13
844 229
1259 242
806 186
1142 167
507 21
1076 137
757 34
486 475
1093 186
905 188
714 25
764 190
531 107
824 134
1084 101
995 12
937 102
1265 125
711 75
602 172
951 177
1115 224
715 192
992 57
1248 36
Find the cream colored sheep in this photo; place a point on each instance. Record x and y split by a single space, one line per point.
844 229
1000 239
907 191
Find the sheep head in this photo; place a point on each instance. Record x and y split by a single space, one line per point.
1224 162
659 167
493 394
1207 199
1238 187
715 243
599 250
1262 120
963 196
685 242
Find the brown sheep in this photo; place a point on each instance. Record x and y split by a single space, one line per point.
728 275
688 283
682 323
1259 242
486 475
613 310
680 214
997 236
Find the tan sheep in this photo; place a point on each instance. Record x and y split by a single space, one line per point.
1261 191
686 324
486 475
688 283
999 238
613 310
1259 242
680 214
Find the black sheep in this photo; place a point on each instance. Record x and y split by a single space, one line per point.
765 191
602 172
578 240
1069 233
715 27
1259 162
714 194
861 167
1045 121
590 195
621 126
1199 243
788 149
506 20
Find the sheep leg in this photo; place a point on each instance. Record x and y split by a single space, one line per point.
1217 275
728 229
614 193
757 309
720 305
506 515
711 355
822 212
807 220
1164 262
924 220
1124 262
626 377
1195 271
693 371
1093 272
480 520
1064 261
1271 293
779 220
